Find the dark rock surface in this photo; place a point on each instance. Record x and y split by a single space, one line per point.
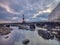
26 41
5 30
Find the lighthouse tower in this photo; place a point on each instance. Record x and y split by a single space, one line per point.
23 19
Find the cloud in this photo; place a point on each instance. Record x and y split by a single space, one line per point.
14 9
41 12
8 9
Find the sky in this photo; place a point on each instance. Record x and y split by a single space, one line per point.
33 10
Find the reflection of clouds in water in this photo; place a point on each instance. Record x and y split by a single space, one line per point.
16 37
35 39
13 36
6 41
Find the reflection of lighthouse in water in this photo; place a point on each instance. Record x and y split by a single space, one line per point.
23 19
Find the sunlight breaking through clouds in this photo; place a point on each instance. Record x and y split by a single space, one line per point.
43 11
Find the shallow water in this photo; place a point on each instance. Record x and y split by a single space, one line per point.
17 36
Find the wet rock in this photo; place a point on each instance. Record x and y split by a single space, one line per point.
6 37
32 26
7 25
45 34
26 41
5 30
58 35
24 27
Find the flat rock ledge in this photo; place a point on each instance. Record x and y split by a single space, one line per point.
5 30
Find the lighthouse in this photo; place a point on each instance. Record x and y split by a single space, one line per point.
23 19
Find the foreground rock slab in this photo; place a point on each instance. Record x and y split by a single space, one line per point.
5 30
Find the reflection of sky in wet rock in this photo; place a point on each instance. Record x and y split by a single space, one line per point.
14 9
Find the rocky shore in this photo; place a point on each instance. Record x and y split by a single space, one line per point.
5 30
